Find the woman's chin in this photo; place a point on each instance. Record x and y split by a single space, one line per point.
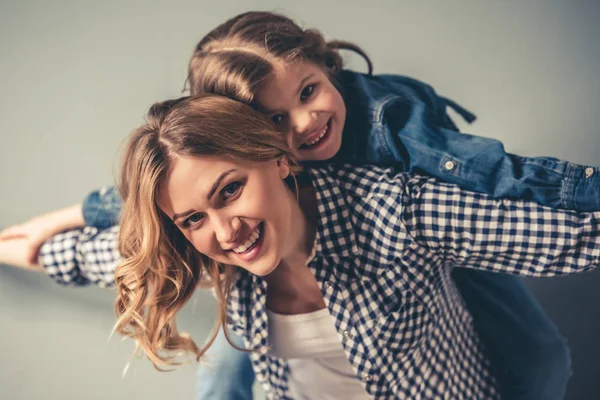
264 270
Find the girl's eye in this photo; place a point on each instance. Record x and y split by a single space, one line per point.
307 92
193 220
231 190
277 119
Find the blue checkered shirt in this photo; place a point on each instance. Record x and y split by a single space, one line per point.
385 247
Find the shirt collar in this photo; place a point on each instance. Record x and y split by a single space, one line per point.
335 238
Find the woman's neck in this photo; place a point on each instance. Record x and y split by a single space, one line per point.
292 287
303 225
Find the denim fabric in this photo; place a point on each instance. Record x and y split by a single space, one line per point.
407 124
227 373
101 208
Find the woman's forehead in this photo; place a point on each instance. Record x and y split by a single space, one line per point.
191 177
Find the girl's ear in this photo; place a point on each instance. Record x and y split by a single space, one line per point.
284 169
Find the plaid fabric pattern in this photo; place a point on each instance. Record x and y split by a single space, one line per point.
385 246
82 256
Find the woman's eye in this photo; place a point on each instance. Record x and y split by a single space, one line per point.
307 92
277 119
192 220
231 190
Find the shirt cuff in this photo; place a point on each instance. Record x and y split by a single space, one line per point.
581 188
81 257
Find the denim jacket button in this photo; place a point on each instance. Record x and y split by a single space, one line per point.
589 171
449 165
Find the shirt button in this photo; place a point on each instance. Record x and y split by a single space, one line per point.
366 377
327 284
449 165
347 334
589 171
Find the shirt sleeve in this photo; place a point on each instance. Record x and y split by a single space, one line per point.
412 136
82 257
474 230
102 208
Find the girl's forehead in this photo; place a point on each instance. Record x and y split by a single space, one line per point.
295 70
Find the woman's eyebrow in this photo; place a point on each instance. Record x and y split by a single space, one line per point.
218 182
210 194
181 215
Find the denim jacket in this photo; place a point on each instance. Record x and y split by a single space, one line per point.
396 120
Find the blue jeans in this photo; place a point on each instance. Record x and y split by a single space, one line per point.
532 358
227 373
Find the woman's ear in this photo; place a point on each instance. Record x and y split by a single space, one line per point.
284 169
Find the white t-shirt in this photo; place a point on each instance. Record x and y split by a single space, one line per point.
319 367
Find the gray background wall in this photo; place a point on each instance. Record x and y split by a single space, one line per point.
77 76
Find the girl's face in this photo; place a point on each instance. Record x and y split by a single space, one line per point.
237 214
306 107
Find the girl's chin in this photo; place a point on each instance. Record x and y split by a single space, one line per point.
321 154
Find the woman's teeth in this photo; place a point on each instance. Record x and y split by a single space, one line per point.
323 132
249 242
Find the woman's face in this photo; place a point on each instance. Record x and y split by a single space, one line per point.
237 214
306 107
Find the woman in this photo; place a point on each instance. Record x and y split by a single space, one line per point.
264 59
338 278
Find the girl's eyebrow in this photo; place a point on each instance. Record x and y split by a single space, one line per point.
303 82
267 111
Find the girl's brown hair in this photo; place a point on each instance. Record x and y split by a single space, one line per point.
235 57
160 268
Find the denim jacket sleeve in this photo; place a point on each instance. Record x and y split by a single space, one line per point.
101 208
409 133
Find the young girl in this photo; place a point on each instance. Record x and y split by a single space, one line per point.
337 279
324 112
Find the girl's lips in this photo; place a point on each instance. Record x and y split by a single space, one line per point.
319 140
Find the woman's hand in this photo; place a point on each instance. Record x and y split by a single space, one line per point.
22 253
20 244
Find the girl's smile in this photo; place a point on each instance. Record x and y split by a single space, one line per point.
306 107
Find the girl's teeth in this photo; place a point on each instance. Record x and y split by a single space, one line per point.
249 242
323 132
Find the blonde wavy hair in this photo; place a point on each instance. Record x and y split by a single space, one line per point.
235 57
160 268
